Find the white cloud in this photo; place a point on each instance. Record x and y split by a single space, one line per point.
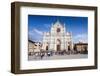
35 35
81 37
38 31
47 25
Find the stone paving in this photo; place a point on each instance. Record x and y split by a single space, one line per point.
71 56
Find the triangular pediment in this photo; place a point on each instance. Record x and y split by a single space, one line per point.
57 24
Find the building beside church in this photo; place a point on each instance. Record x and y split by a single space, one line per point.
33 47
81 47
58 39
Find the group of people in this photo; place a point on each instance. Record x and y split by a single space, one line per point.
50 53
42 54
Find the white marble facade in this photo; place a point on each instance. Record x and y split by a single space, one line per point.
58 39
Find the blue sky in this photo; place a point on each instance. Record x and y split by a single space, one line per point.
37 24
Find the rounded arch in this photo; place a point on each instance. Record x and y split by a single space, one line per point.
58 41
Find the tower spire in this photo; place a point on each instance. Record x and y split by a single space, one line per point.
58 20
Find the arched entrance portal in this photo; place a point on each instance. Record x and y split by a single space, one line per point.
69 48
58 48
46 47
58 45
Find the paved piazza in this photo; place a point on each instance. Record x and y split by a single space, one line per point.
75 56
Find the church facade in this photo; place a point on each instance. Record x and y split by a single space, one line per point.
58 39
